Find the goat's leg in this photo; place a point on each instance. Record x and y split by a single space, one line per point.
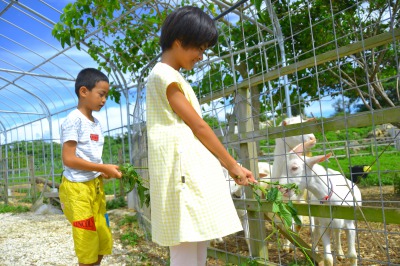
315 233
326 241
245 224
351 242
338 244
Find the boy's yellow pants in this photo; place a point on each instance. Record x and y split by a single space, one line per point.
84 205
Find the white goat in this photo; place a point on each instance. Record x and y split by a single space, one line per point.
237 191
279 168
328 189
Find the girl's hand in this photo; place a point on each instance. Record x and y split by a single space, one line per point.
241 175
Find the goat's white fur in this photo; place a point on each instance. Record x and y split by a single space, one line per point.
308 174
279 168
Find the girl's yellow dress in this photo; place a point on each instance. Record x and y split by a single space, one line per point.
189 196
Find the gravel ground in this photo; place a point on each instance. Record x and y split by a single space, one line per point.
32 239
45 239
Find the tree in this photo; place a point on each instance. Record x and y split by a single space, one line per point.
321 27
122 36
341 106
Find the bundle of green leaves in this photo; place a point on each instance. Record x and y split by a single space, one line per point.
131 179
273 194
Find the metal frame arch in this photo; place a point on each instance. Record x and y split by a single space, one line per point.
46 110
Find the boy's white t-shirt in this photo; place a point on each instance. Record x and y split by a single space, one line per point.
90 140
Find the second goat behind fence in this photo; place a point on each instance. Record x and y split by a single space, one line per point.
331 188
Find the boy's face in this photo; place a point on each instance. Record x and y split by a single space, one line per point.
97 97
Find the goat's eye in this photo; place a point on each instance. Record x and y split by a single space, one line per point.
294 168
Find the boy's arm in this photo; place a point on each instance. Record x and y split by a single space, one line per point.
204 133
71 160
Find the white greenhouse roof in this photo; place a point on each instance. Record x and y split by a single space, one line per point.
36 73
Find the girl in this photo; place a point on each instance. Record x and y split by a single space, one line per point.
190 202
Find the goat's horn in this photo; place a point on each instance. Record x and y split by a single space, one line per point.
299 148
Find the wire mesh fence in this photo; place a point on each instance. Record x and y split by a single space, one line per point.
336 63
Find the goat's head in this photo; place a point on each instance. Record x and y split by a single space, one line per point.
300 167
292 141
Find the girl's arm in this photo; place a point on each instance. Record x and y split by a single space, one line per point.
204 133
71 160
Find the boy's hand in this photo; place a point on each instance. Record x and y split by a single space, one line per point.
111 171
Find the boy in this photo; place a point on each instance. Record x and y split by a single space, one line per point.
81 191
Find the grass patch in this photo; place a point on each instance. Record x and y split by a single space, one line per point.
27 200
130 226
5 208
130 238
382 172
130 233
128 220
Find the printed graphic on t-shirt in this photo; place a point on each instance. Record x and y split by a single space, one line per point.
94 137
87 224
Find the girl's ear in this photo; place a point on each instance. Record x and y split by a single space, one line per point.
178 43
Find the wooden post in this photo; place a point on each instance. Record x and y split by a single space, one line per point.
32 180
248 155
347 149
5 177
374 148
395 134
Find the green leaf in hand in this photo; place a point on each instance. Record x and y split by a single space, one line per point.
131 179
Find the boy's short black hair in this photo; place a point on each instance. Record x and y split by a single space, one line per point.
89 77
191 26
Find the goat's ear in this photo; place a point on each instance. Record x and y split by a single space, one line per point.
310 119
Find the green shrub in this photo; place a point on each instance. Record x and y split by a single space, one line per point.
111 186
116 203
396 183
